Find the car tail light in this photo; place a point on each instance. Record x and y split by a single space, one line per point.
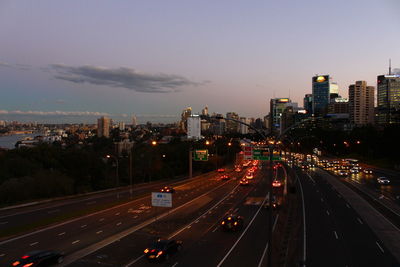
25 257
16 263
223 222
153 250
28 264
146 250
235 223
159 253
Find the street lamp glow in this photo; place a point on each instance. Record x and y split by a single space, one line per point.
153 143
207 142
229 144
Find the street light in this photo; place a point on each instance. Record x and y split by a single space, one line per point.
116 174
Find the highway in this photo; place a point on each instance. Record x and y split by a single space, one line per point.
336 234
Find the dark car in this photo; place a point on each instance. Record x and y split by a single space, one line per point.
167 189
162 249
224 177
275 204
39 258
232 223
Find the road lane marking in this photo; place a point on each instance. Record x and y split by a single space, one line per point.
2 255
266 247
188 227
176 263
118 213
76 241
243 233
53 211
327 212
304 219
380 247
91 203
358 219
347 205
60 234
133 262
196 221
216 228
336 235
118 224
134 217
99 232
3 222
83 226
311 178
102 219
34 243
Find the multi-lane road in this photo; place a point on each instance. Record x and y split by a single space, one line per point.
334 224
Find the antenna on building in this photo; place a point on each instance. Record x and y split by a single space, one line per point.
390 66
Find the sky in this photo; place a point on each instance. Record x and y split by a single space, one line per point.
73 61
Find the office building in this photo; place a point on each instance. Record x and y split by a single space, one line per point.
232 126
338 105
186 113
388 95
103 127
361 103
243 129
204 111
194 127
322 92
121 125
307 103
134 120
277 106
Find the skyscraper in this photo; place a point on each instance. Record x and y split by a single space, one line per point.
361 103
185 114
232 126
193 127
103 127
204 111
277 106
244 129
388 98
134 120
321 94
308 103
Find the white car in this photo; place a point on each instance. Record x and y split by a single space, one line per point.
383 180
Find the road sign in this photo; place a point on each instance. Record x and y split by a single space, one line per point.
201 155
248 153
161 199
263 154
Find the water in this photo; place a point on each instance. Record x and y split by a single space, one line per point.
9 141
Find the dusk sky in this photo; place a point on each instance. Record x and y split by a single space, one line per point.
75 60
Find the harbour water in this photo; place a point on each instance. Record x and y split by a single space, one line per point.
9 141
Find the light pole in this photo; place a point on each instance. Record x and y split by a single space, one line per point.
116 173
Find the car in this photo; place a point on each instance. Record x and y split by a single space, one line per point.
354 170
249 176
275 203
343 173
276 183
162 249
383 180
367 171
232 223
305 166
167 189
39 258
221 170
244 181
238 169
224 177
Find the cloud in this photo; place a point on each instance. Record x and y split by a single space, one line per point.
122 77
53 113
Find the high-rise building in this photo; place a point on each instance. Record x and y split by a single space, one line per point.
321 94
204 111
361 103
388 98
338 105
194 127
277 106
103 127
243 129
185 114
308 103
134 120
121 125
232 126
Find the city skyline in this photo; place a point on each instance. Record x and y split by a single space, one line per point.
155 59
